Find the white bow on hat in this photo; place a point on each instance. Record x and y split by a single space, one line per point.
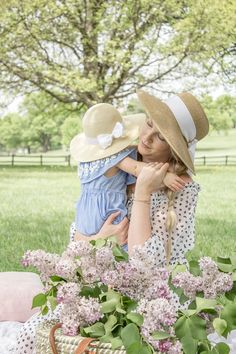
105 140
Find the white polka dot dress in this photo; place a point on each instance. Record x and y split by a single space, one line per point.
183 236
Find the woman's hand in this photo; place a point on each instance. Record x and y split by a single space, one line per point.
150 179
120 231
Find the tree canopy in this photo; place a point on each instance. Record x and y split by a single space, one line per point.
43 124
221 112
89 51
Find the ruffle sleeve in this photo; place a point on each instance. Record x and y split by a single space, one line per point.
88 171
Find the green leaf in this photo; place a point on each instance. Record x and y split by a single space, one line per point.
179 268
135 318
233 259
89 291
158 335
223 260
120 309
227 268
193 326
96 330
229 315
109 306
119 254
194 268
139 348
231 295
56 278
183 298
189 344
234 276
39 300
130 335
116 343
222 348
100 243
205 304
53 302
44 310
109 325
129 304
219 325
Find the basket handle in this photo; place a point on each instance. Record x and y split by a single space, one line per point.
81 348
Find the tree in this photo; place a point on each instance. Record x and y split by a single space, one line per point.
70 127
89 51
45 116
220 112
10 131
39 124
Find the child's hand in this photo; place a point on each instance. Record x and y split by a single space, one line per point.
173 182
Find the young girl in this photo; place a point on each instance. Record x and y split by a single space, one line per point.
107 165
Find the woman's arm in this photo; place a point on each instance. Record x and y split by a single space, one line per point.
109 229
149 180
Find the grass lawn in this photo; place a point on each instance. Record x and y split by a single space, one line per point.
37 206
218 144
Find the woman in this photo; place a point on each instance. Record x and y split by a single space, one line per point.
170 135
160 220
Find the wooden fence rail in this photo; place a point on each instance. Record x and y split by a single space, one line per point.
35 160
65 160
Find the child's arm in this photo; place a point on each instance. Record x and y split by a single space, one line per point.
173 182
131 166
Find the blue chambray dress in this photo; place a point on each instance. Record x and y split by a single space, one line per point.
100 195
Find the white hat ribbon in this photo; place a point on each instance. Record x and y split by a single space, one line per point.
185 121
105 140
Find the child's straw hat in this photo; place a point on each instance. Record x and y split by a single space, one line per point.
105 132
181 120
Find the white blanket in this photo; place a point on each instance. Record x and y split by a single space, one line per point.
8 334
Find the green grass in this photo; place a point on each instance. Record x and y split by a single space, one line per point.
216 144
37 206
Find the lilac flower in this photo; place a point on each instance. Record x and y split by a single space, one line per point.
189 283
78 249
66 268
82 312
176 348
44 262
164 345
68 292
104 259
212 282
208 266
112 278
157 314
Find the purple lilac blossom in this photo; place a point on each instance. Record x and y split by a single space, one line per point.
44 262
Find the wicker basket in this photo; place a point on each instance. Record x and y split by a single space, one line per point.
50 340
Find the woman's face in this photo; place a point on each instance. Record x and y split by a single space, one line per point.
152 146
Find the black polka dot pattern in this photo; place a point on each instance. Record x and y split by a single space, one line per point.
25 343
184 233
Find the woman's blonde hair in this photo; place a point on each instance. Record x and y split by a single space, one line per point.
171 218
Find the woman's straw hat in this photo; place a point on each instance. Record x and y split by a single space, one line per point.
180 119
105 132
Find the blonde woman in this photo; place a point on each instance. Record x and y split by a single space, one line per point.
162 220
